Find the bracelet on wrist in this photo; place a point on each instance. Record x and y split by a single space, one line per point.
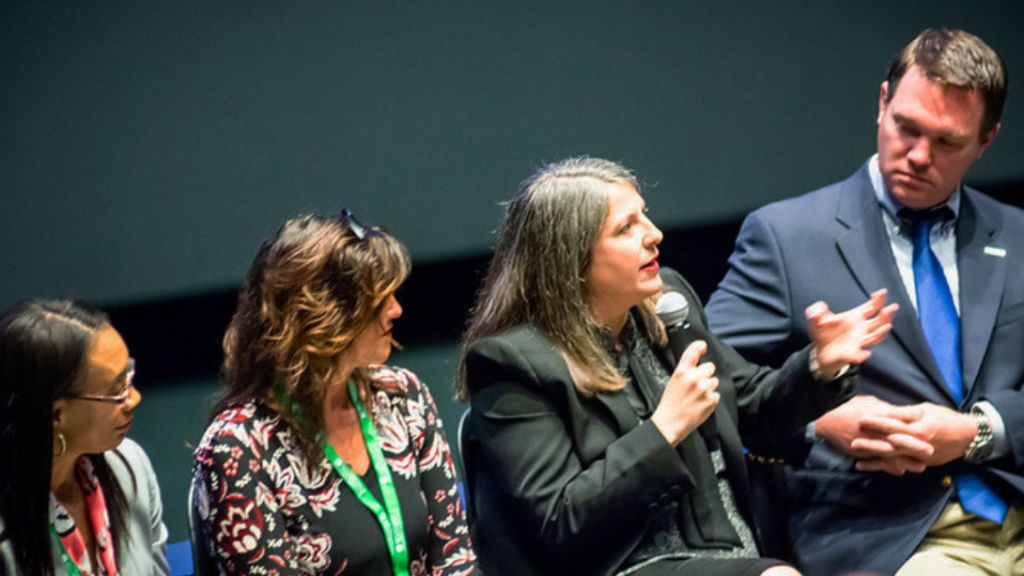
815 366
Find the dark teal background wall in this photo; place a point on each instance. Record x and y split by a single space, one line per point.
146 148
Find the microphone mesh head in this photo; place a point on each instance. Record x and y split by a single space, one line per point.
672 308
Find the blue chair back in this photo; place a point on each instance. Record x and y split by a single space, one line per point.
202 557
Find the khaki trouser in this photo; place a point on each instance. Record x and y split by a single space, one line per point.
962 544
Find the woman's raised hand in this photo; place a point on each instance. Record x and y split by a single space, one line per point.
846 338
690 396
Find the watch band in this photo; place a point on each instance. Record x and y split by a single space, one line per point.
984 441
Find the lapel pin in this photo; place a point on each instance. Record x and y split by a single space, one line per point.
993 251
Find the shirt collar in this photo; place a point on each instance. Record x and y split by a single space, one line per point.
890 205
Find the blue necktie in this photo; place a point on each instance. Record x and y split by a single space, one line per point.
941 326
935 308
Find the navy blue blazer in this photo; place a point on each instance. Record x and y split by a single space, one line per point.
831 245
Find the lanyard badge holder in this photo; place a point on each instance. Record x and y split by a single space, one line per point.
389 516
69 565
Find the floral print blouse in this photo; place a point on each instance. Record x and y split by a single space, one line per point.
266 510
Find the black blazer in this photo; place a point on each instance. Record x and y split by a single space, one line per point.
561 483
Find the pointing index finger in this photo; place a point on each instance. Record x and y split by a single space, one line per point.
692 354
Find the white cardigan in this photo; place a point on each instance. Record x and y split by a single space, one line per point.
142 550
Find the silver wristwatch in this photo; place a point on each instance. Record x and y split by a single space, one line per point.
983 443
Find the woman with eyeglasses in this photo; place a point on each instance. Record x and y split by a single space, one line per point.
603 442
320 459
77 497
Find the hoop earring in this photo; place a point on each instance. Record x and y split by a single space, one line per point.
63 445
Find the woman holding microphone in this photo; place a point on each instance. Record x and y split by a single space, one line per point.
591 449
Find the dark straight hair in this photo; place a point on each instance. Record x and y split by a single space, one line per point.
44 347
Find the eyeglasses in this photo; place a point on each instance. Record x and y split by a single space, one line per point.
119 398
352 224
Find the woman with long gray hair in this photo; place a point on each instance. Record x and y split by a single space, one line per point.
599 443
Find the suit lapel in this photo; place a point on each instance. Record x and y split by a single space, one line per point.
623 414
982 280
864 246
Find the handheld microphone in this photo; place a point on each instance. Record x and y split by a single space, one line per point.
673 309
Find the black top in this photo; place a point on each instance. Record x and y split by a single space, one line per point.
567 483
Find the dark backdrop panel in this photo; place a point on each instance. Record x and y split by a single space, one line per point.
146 147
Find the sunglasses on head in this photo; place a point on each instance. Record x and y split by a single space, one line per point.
350 222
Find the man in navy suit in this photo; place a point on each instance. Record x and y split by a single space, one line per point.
923 473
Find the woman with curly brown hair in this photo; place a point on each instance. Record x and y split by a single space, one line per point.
319 459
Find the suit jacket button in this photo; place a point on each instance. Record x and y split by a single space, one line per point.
947 481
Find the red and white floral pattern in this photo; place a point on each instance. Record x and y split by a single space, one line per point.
267 511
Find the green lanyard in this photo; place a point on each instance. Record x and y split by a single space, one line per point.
388 516
69 565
